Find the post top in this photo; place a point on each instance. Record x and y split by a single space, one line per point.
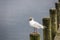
53 9
34 34
58 0
47 18
57 3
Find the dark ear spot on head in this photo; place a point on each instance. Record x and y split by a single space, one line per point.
30 19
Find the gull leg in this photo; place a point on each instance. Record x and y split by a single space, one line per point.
35 30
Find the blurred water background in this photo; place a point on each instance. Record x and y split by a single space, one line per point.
14 15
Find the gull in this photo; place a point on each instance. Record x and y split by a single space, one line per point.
35 24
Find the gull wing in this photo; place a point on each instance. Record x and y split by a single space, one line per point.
38 25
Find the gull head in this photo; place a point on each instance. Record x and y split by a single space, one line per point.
30 18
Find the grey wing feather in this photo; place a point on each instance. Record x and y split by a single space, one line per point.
40 26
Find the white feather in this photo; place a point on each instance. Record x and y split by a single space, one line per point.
35 24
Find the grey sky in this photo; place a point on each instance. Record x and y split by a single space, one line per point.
14 15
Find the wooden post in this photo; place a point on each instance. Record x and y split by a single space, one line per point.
57 5
57 37
34 36
47 31
53 16
58 0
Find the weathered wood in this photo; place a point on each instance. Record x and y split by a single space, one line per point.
47 31
34 36
53 16
57 5
58 0
57 37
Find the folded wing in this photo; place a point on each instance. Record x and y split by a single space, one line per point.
38 25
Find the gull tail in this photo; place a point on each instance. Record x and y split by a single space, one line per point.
41 26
